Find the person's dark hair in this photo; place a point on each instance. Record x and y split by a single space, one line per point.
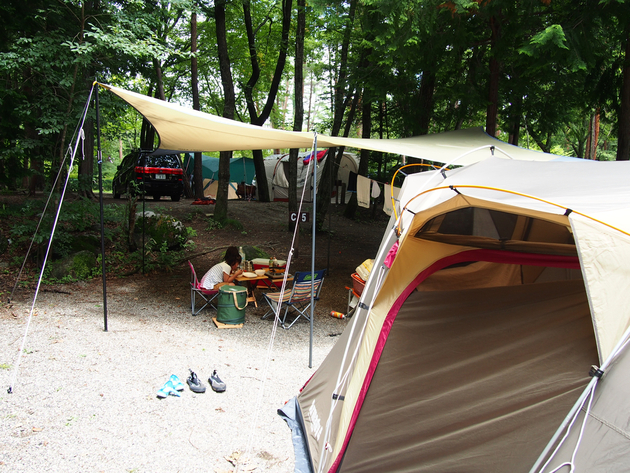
232 256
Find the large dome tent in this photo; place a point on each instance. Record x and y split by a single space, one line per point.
497 288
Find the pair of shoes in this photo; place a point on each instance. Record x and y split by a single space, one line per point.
216 383
168 389
194 384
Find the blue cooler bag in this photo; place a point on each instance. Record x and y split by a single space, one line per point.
232 301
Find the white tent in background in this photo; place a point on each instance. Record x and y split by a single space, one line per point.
498 288
276 168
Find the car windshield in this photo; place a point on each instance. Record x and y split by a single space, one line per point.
164 161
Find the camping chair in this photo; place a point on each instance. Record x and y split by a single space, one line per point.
207 295
297 298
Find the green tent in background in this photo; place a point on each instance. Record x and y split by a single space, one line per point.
241 169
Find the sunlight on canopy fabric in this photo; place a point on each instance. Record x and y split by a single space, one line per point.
184 129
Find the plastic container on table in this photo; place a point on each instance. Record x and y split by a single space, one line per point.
263 263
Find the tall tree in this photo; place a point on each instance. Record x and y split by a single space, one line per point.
623 147
194 82
343 94
298 103
255 117
229 105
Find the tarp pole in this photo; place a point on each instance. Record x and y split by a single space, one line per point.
144 198
333 175
100 193
310 348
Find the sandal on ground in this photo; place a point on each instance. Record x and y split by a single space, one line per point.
177 384
167 389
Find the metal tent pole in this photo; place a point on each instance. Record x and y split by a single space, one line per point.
310 350
100 188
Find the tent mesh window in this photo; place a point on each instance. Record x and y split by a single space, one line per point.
492 229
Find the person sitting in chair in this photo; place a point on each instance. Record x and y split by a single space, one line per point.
225 272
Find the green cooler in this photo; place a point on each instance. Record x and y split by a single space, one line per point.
232 301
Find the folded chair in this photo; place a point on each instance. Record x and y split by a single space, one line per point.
298 298
206 295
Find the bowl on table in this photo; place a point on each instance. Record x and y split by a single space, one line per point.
259 272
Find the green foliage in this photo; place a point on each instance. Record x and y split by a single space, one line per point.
162 229
559 61
553 34
81 266
76 218
196 214
213 224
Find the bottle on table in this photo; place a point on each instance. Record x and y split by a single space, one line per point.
242 253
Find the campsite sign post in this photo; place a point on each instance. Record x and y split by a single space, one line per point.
294 221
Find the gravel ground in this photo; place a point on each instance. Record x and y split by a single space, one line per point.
84 400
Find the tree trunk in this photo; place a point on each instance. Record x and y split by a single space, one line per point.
493 83
366 119
298 105
147 132
194 85
593 136
515 121
86 163
310 102
589 138
221 207
260 119
427 88
341 97
331 166
85 171
159 80
262 186
623 134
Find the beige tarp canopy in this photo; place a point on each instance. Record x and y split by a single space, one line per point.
184 129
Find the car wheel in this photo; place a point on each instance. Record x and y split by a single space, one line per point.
175 197
156 196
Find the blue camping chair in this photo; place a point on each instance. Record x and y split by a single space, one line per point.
298 298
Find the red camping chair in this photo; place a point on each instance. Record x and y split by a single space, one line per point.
298 298
207 295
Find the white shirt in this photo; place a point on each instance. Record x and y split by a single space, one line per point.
215 275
